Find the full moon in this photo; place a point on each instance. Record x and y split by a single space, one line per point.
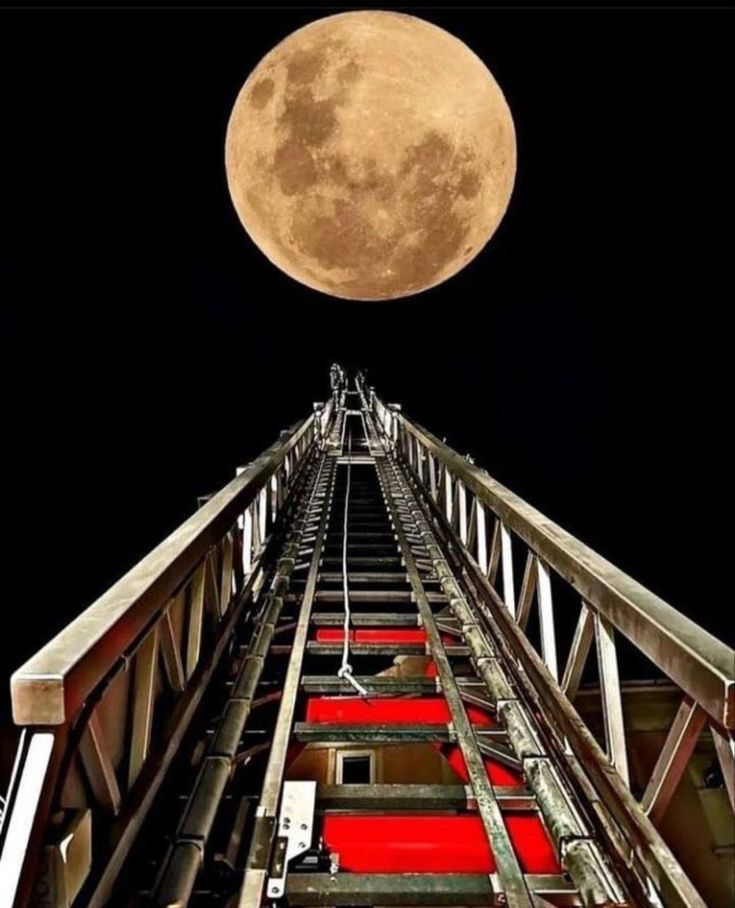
370 155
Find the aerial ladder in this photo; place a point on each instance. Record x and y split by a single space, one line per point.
365 673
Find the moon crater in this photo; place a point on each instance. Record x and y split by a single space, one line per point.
370 155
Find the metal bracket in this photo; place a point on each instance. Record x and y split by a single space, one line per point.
295 832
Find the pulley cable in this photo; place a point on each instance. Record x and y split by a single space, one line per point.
345 671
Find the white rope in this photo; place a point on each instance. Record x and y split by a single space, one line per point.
346 669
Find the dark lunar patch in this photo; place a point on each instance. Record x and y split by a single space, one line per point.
423 166
349 73
309 121
430 156
261 93
305 65
469 184
346 240
294 168
371 176
438 244
335 170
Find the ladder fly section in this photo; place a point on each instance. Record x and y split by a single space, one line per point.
321 691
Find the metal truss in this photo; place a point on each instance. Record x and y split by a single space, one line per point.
161 728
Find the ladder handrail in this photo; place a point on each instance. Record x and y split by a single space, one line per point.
699 663
52 685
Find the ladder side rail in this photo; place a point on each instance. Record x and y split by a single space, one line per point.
691 657
112 694
618 817
702 667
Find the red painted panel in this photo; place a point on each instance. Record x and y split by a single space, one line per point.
531 843
372 635
379 635
496 771
387 710
431 843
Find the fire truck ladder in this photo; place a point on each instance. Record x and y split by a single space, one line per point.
327 688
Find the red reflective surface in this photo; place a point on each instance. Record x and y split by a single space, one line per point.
387 711
496 771
430 843
372 635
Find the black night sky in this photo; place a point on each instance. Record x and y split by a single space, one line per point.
148 347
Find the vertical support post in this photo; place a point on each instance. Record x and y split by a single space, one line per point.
472 525
448 497
263 514
481 538
273 497
247 542
432 476
281 478
196 618
462 495
506 557
612 704
546 616
255 522
225 594
144 688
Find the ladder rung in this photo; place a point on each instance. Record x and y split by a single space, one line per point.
366 619
375 596
364 560
374 684
395 889
317 648
372 734
416 797
389 889
363 576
